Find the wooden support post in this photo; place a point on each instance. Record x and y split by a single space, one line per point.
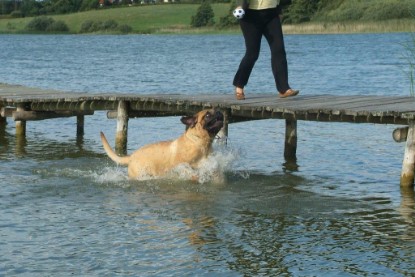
3 119
408 165
21 143
3 123
21 124
41 115
223 133
80 120
122 128
290 149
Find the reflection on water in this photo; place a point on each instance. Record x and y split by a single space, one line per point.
407 212
66 209
66 205
261 225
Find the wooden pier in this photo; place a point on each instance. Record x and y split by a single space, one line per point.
25 104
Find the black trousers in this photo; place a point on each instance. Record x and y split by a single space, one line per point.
254 25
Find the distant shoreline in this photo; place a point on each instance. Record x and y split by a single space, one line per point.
310 28
387 26
175 19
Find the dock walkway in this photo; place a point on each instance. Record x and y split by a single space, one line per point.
26 104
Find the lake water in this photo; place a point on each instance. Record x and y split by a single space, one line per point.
67 210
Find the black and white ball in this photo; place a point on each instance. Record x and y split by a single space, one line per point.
239 13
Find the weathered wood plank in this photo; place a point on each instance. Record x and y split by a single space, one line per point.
290 148
355 108
21 125
41 115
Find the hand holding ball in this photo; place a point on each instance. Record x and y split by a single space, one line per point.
239 13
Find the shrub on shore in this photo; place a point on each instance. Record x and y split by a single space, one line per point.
228 20
57 27
90 26
356 10
47 24
204 16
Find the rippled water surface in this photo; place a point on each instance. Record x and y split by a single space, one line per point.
66 209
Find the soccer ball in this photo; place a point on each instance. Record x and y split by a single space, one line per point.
239 13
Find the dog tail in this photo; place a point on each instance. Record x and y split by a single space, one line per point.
119 160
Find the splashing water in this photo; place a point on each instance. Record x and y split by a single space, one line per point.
211 169
110 175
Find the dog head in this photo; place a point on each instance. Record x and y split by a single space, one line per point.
208 122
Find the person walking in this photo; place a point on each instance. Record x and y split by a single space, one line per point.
262 18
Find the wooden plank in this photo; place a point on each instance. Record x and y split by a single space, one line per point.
290 148
341 104
23 115
355 108
21 125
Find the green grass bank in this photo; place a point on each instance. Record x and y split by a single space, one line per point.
176 18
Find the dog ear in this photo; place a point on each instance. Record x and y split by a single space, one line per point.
189 121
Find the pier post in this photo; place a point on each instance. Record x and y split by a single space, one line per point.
3 119
408 165
80 120
21 124
3 123
223 133
122 128
290 149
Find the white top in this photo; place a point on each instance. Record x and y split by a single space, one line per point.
263 4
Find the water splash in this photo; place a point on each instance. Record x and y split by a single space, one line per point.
110 175
212 169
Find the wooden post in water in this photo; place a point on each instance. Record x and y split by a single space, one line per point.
408 165
122 128
80 130
3 119
3 123
290 149
80 120
223 133
20 124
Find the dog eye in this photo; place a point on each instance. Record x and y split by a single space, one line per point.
208 115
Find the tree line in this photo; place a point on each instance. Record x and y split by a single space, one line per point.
26 8
295 11
299 11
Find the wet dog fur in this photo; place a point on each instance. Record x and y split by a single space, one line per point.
158 159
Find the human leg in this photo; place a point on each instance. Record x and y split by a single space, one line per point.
252 35
273 34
